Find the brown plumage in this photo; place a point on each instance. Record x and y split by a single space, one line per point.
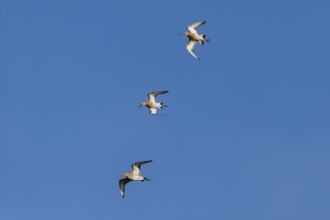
135 175
194 37
152 104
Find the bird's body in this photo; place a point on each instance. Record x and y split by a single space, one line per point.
194 37
134 176
152 104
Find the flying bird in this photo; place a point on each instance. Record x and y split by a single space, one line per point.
194 37
134 176
152 104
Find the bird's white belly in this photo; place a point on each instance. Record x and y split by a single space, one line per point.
138 178
197 37
200 38
154 105
157 105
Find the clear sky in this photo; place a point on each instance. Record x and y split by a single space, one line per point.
246 134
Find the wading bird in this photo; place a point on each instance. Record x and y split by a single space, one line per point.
152 104
194 37
134 176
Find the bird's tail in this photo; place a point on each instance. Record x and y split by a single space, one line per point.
205 39
162 105
147 179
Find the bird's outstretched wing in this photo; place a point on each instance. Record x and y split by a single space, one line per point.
152 95
192 28
136 166
122 184
153 111
190 46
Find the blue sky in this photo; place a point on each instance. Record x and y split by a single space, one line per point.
245 136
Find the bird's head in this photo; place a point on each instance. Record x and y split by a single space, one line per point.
143 104
125 174
185 33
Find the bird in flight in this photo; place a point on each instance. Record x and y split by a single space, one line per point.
194 37
152 104
134 176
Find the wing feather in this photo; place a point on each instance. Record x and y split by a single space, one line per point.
152 95
192 28
122 184
136 166
153 111
190 46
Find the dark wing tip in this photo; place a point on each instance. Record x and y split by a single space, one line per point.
157 92
138 164
145 161
122 184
